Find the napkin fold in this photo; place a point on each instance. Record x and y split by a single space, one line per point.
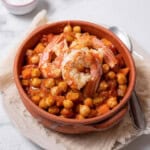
114 138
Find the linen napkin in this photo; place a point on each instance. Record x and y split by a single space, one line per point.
114 138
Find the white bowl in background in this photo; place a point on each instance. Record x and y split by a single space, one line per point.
20 9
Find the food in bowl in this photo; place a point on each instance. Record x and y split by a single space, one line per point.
74 74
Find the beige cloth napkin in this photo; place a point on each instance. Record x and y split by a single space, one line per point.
114 138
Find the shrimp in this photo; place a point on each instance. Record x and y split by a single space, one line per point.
87 40
81 68
50 60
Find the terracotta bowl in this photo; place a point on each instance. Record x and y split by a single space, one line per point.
74 126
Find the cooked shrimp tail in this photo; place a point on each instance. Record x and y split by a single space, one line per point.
109 57
92 85
49 50
51 59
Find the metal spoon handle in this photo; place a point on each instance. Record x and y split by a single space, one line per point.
136 112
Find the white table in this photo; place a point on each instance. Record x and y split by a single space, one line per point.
132 16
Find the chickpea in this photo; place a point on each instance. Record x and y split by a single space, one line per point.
41 94
57 72
25 82
36 99
35 59
66 112
84 110
39 48
69 38
98 100
105 68
88 102
55 91
49 83
59 100
77 29
103 85
68 28
29 52
79 117
122 90
35 72
121 78
42 104
112 102
53 110
49 101
36 82
68 104
26 73
62 86
72 95
111 75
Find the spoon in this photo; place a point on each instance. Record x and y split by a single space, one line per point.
136 112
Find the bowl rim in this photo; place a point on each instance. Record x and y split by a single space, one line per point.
55 118
20 5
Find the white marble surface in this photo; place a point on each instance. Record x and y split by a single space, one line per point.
132 16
